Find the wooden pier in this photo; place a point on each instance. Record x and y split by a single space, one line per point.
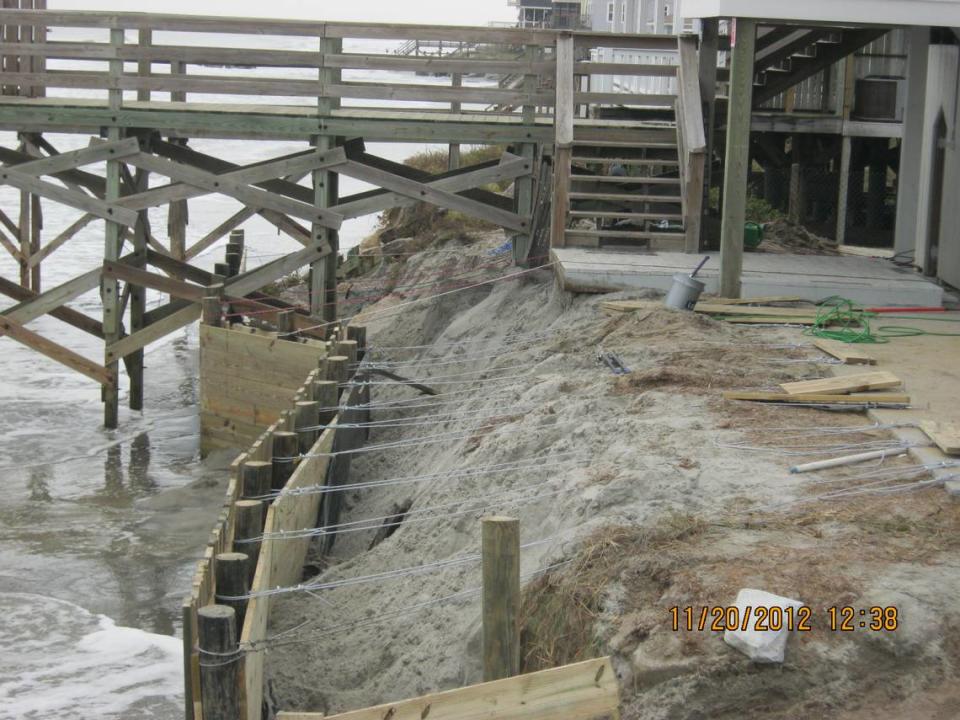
145 92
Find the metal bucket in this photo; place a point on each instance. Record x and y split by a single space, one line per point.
684 292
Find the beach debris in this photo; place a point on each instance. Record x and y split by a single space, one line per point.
764 623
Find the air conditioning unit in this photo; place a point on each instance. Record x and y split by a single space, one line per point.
880 98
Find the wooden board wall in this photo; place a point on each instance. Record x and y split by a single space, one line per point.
246 381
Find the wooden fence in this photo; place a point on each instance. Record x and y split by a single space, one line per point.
278 563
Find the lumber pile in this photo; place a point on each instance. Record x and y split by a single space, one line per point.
856 389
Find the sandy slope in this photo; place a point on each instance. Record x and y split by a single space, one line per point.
650 508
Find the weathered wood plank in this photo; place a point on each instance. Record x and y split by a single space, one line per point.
14 330
564 111
68 234
53 298
144 278
601 68
843 384
573 692
825 398
945 436
850 354
248 282
77 158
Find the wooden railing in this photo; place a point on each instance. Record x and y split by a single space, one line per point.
156 54
691 140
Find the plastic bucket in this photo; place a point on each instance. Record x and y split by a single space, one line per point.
684 292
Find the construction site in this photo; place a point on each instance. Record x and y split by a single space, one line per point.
541 371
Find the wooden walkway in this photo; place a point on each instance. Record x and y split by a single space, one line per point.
147 88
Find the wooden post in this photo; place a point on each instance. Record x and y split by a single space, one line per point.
709 44
231 571
453 150
247 529
739 113
285 325
138 294
110 287
347 348
325 393
285 451
145 39
256 479
358 333
323 273
843 196
911 155
178 212
307 416
220 660
797 201
223 269
563 146
501 597
212 311
337 370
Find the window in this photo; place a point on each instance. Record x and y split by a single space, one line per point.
610 12
623 13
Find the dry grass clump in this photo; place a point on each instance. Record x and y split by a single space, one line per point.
559 609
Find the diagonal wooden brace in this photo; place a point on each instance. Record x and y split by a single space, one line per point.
52 350
211 183
426 193
74 199
77 158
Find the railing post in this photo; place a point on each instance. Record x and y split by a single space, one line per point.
178 212
453 152
144 67
563 145
524 186
323 272
501 597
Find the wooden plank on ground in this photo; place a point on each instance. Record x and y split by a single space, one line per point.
851 354
945 436
765 300
843 384
726 309
571 692
827 399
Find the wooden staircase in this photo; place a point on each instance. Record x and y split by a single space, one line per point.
626 192
786 56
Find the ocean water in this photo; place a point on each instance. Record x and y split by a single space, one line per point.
100 530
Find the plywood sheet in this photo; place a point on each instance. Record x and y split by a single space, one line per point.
843 384
851 354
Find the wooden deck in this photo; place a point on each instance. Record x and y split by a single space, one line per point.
812 277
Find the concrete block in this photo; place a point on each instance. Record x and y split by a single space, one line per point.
763 645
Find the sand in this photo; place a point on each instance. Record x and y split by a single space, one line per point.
650 510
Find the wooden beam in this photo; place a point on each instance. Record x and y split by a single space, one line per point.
843 384
28 183
12 329
738 157
91 182
426 193
152 332
144 278
67 315
820 398
75 159
211 238
239 191
252 280
572 692
47 301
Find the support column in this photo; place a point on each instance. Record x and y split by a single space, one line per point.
323 273
737 161
709 44
843 197
453 150
908 177
563 141
178 213
138 295
523 195
109 287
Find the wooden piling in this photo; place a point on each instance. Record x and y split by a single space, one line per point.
233 260
212 311
337 371
358 333
501 597
325 393
347 348
248 528
256 479
219 662
307 415
231 571
285 449
285 325
222 269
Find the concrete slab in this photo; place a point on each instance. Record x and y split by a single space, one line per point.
868 281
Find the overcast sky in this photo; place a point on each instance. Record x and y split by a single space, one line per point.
447 12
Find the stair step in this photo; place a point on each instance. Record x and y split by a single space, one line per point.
626 197
623 215
628 161
652 145
625 179
626 238
627 234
